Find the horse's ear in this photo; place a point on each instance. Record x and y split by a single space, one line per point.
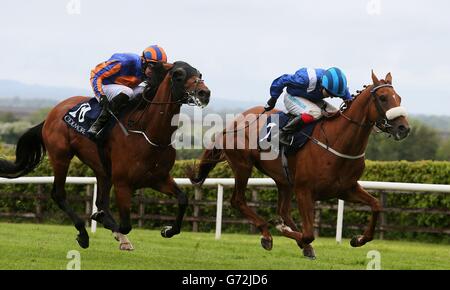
389 78
179 75
375 80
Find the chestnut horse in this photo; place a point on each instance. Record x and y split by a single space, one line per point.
142 158
318 174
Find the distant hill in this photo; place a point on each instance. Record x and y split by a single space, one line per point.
18 94
10 89
440 123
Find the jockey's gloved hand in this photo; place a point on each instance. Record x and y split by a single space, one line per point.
270 104
103 100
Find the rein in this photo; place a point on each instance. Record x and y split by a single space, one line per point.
189 98
248 125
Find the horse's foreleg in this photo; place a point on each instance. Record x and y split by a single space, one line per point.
306 208
284 206
358 194
123 201
171 188
285 224
104 215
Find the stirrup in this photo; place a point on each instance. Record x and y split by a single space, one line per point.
289 138
94 131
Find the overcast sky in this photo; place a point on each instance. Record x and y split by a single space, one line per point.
240 46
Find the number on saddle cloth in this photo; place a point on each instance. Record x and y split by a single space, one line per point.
83 115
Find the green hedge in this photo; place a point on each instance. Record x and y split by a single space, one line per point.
415 172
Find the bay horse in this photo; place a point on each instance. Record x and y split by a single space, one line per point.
130 161
317 174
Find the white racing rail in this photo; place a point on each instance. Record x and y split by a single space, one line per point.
220 183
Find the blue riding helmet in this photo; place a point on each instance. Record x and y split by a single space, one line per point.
335 82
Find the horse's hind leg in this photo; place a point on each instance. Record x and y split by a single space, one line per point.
238 200
60 164
171 188
358 194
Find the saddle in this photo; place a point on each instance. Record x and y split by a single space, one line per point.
275 123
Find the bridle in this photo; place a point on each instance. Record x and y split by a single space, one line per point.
189 97
383 121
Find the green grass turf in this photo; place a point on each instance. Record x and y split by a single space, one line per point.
36 246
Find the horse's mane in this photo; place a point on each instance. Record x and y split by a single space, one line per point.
158 75
346 104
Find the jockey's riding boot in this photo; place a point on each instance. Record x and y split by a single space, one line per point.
102 119
118 103
286 133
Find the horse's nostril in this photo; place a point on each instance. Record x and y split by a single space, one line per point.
402 128
204 93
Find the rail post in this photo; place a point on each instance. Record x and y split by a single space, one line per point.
340 220
382 214
219 211
94 209
197 198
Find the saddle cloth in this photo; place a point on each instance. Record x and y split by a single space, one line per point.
300 138
82 116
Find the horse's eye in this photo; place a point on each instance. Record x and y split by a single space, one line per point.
200 76
383 98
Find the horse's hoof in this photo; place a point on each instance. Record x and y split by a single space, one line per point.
357 241
98 216
309 253
167 232
83 241
126 247
266 243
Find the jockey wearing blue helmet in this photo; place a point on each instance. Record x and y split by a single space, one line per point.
305 91
335 83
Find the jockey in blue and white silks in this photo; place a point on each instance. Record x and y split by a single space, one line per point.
305 94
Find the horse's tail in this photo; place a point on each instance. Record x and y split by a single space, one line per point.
208 160
29 153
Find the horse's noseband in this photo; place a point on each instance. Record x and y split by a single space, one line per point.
190 97
383 122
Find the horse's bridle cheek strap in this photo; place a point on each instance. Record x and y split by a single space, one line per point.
396 112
